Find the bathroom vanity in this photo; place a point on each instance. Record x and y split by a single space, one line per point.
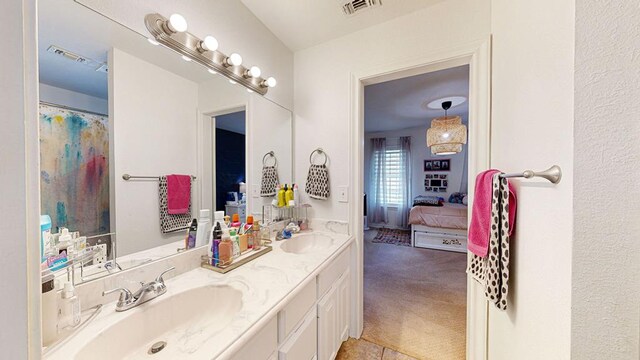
292 303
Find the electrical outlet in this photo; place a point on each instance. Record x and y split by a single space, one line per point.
255 191
101 256
343 194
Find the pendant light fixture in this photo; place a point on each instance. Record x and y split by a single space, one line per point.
447 134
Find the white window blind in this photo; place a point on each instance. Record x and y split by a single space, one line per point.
391 189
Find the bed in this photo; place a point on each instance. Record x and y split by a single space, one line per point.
439 227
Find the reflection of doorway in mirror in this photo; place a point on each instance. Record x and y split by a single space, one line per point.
230 163
74 169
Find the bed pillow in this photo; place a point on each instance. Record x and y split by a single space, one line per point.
428 201
456 197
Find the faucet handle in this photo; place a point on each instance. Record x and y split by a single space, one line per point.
125 294
160 279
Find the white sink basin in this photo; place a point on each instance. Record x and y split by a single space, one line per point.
178 320
306 243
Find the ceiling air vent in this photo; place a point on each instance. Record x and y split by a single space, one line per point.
354 6
96 65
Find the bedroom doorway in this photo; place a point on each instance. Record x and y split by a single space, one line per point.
477 56
415 247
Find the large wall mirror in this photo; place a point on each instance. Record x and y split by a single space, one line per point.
114 104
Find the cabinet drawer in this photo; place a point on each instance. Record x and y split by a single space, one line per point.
293 313
262 345
303 342
441 241
332 273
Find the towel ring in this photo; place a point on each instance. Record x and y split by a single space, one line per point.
265 158
319 151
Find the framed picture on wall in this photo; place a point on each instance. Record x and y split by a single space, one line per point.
437 165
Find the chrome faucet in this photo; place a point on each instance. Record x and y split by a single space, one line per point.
147 291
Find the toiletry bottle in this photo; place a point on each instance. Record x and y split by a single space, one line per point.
235 222
204 228
248 230
191 234
69 307
235 242
49 310
281 196
45 236
214 246
288 196
225 248
255 232
218 217
296 194
64 241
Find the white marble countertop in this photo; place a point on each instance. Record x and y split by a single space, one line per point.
266 284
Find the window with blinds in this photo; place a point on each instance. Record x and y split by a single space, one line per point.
391 188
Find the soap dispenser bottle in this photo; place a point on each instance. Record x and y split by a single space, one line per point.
69 307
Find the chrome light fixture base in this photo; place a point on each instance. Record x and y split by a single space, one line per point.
187 44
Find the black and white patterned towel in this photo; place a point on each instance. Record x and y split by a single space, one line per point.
171 222
269 181
317 185
492 271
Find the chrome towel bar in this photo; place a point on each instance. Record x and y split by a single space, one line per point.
129 177
553 174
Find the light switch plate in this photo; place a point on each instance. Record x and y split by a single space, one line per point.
255 191
343 194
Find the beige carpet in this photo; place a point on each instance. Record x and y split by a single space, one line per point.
415 300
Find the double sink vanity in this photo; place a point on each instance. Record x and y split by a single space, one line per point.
292 303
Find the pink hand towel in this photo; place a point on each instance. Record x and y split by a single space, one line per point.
178 194
480 226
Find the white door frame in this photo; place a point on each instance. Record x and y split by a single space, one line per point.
207 152
478 56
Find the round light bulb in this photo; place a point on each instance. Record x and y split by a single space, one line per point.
211 71
152 41
186 58
234 59
209 43
177 23
271 82
254 72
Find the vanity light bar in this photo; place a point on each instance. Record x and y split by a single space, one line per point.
200 51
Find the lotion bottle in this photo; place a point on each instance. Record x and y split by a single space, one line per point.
281 196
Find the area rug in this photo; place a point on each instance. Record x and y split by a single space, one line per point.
393 236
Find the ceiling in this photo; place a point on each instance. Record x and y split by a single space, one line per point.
304 23
78 29
401 104
234 122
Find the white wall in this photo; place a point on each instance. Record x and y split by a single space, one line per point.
60 96
154 117
269 128
235 27
322 76
606 251
532 123
419 153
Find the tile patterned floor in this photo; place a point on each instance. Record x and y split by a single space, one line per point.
428 324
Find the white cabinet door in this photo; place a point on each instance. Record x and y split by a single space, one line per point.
303 342
328 325
344 307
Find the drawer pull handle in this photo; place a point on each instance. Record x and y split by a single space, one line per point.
451 242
